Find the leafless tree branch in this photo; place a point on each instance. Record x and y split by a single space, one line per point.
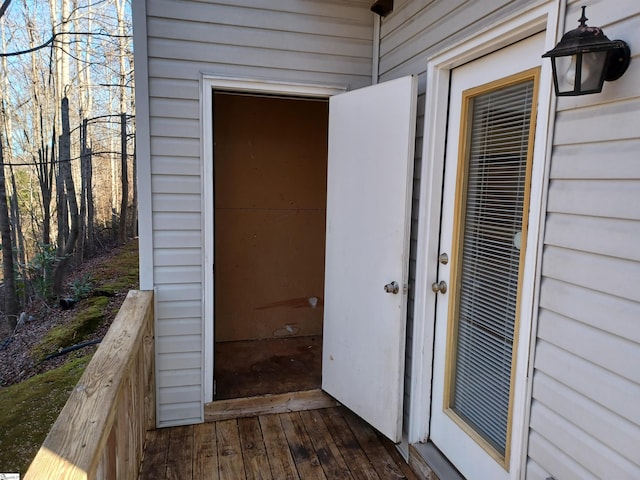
53 38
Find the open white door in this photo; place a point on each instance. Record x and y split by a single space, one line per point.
370 172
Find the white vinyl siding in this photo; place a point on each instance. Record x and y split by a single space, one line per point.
585 420
297 41
305 41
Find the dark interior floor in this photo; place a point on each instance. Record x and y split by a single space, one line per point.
270 366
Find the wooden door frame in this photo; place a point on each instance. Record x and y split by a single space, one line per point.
208 84
524 23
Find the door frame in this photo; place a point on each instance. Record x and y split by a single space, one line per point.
518 26
209 83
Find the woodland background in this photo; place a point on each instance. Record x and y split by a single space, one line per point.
67 142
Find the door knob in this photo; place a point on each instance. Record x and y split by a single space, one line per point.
392 287
439 287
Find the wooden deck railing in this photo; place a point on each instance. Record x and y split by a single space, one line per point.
101 430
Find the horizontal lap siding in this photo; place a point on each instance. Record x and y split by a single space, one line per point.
585 419
298 41
307 41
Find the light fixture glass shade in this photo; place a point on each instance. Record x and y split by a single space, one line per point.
580 73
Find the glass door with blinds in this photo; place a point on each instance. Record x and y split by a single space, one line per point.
483 242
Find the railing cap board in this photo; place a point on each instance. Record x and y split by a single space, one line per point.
74 444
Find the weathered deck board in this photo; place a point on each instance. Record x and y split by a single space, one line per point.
301 447
370 443
348 445
230 460
155 453
275 441
256 463
331 443
179 456
328 452
205 453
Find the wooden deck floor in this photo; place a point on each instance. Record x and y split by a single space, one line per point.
330 443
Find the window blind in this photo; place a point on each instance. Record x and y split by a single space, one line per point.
496 175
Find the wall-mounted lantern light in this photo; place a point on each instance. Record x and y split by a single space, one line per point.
585 58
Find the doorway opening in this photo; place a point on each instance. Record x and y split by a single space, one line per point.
270 194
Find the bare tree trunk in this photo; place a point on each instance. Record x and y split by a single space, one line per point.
56 55
61 25
91 215
45 172
82 240
16 220
86 236
10 295
44 159
134 201
6 113
17 237
65 168
124 178
8 235
114 192
61 210
87 70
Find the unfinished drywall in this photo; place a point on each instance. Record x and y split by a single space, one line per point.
270 161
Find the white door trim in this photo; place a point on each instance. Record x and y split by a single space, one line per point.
209 83
543 16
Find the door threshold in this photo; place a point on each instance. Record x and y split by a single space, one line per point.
267 404
428 462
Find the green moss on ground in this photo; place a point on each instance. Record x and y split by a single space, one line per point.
30 408
120 272
108 279
90 316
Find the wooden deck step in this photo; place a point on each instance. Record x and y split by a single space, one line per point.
324 444
267 404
